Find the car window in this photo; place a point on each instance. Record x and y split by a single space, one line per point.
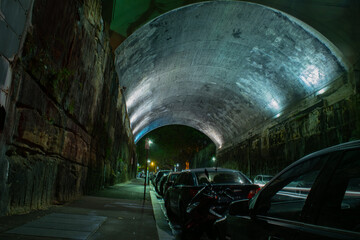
180 179
341 205
173 177
267 178
184 179
222 177
285 197
189 179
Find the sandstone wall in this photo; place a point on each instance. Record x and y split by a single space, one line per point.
317 122
203 158
66 129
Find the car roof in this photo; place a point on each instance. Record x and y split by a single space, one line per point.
340 147
210 169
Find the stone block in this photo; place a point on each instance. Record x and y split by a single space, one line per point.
31 182
70 181
75 149
38 132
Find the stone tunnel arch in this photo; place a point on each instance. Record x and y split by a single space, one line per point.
222 68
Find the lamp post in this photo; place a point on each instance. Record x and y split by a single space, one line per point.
147 147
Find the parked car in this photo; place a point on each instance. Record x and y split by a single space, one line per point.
169 182
189 182
159 186
261 180
316 197
158 176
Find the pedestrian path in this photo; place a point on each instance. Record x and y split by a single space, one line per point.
118 212
71 226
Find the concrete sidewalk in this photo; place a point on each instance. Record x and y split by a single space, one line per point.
117 212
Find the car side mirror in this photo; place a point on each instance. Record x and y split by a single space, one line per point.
240 207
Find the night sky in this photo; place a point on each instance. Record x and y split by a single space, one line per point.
172 144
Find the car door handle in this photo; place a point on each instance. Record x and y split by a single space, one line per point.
274 238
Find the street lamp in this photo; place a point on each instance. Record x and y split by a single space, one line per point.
176 166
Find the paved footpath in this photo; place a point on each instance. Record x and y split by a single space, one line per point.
117 212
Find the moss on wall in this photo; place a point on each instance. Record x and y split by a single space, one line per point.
66 126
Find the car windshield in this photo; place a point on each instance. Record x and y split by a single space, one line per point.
267 178
173 177
221 177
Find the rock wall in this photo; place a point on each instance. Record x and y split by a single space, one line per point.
66 131
317 122
203 158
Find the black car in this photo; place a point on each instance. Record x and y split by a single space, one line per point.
161 182
158 176
189 182
169 182
316 197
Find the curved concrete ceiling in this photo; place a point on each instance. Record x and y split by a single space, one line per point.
221 67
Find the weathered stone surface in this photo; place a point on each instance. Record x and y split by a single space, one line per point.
222 67
279 143
31 182
66 133
34 129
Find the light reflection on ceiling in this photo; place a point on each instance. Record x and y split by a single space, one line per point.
222 68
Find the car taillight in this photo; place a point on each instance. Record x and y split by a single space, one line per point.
252 193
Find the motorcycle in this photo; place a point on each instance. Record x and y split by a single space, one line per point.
206 207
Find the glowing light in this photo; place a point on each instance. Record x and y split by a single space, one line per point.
274 104
277 115
213 159
139 92
215 136
140 125
311 76
321 91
